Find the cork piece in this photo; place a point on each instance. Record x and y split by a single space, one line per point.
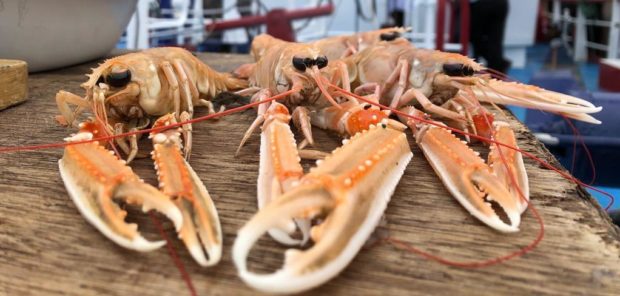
13 82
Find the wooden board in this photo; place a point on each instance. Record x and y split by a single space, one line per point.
47 248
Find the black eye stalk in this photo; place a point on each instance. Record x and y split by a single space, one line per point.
458 70
302 63
118 79
389 36
308 62
299 64
321 62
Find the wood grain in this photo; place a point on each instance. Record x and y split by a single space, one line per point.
13 82
47 248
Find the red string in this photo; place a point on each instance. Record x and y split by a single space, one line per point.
527 154
144 131
574 154
107 133
477 264
579 137
489 262
175 257
396 242
499 75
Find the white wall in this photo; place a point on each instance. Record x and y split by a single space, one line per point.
521 23
520 30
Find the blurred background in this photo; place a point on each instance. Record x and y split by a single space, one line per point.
568 46
565 46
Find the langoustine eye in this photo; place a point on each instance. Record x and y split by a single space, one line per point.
321 62
458 70
389 36
302 63
299 64
118 79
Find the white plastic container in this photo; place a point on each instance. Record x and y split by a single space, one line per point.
53 34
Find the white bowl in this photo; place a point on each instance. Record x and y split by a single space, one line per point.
53 34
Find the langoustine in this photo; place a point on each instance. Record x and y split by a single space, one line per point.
127 93
141 85
449 86
364 171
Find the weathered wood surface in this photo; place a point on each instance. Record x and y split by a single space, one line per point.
47 248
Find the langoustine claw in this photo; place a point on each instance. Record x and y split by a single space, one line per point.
350 189
469 179
94 178
201 231
507 164
280 169
533 97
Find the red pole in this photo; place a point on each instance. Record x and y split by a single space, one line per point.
279 25
277 20
451 24
441 22
465 27
248 21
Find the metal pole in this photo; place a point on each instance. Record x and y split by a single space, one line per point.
557 5
614 31
131 32
581 51
143 24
